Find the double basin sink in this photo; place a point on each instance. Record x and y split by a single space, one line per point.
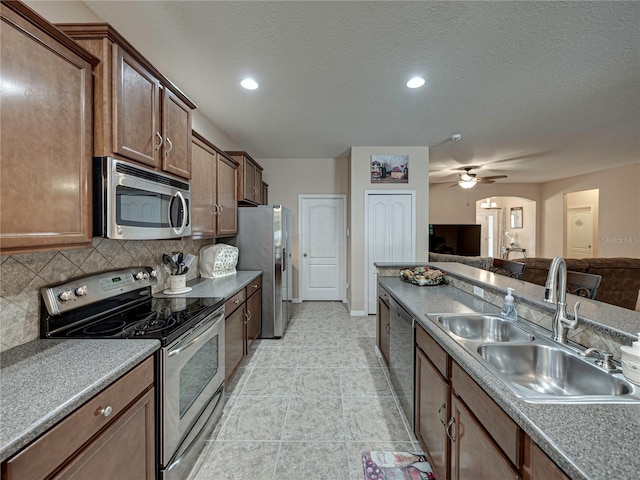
535 368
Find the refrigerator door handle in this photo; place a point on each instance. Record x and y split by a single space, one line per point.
284 259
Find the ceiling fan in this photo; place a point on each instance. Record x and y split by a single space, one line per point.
469 180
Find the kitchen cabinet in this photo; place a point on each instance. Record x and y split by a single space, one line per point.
249 178
383 328
538 466
473 454
110 436
139 114
432 402
214 201
254 311
46 135
462 429
243 313
234 336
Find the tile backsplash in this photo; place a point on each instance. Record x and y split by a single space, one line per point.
22 276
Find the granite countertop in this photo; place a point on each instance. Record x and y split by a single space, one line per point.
43 381
225 287
588 441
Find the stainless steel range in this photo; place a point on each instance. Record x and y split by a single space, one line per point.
189 365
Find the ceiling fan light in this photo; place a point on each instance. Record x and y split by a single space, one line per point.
466 184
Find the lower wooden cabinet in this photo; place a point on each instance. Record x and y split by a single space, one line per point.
111 436
254 312
473 453
464 432
233 342
243 324
432 412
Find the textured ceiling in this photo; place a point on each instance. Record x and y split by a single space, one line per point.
538 90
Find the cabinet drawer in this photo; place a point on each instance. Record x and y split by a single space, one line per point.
254 286
234 302
432 350
502 429
48 452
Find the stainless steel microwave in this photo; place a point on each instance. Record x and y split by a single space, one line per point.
135 203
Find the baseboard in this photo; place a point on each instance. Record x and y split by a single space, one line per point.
358 313
296 300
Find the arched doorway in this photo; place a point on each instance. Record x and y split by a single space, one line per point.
508 227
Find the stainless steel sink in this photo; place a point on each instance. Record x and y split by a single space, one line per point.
484 328
551 371
531 364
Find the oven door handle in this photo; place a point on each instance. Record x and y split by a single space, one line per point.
205 333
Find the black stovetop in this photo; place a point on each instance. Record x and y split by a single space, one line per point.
134 316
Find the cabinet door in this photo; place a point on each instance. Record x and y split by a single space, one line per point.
126 449
136 123
254 317
473 453
176 132
248 180
226 184
203 190
432 411
384 330
233 342
46 137
257 186
543 468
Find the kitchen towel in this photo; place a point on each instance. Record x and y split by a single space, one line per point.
396 466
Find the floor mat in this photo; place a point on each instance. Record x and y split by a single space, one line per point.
396 466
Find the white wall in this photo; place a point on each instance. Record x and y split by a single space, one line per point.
360 180
619 211
68 11
288 178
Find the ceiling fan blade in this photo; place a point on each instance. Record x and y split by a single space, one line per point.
485 180
492 177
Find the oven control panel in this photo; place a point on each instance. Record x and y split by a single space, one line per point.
89 289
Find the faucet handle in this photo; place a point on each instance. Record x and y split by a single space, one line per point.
574 323
606 358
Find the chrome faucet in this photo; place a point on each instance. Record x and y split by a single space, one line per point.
555 291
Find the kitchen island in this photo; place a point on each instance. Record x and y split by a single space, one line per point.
587 441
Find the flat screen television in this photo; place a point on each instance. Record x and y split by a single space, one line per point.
455 239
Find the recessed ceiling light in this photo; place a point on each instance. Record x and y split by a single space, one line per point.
249 84
416 82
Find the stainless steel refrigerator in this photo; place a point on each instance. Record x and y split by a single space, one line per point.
264 243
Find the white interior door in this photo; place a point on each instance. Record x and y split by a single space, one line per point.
488 220
390 236
323 240
580 236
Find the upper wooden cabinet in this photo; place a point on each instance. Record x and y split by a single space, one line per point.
46 105
249 178
214 201
139 115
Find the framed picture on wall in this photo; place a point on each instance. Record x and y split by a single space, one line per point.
389 168
516 217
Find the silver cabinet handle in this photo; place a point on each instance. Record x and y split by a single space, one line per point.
159 145
442 407
168 140
221 209
106 411
388 328
236 301
247 317
216 209
449 425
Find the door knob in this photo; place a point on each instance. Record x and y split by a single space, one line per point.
304 254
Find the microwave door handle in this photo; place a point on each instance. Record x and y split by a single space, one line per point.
178 231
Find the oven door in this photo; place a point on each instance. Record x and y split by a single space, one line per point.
192 370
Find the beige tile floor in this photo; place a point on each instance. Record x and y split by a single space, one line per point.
306 406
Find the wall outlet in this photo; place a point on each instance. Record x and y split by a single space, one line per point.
478 291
